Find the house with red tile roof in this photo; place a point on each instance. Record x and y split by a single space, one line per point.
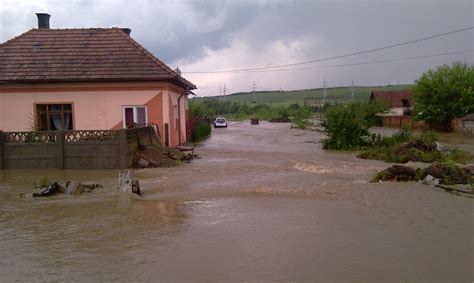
400 105
400 102
88 79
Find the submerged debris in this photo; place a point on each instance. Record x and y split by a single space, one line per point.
420 144
254 121
128 184
50 190
280 120
450 174
445 173
418 150
70 188
398 173
155 156
441 175
430 180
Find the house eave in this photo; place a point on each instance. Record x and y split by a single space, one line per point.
96 80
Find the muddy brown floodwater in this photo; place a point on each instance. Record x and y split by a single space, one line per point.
264 203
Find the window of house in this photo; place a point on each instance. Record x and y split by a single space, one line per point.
406 107
52 117
134 116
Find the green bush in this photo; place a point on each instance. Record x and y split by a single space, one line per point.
300 123
200 132
347 125
456 156
302 113
197 109
403 147
430 136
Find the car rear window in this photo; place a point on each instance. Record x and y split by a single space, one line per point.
220 120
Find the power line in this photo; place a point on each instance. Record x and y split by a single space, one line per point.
334 57
362 63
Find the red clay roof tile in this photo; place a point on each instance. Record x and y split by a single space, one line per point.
72 55
393 98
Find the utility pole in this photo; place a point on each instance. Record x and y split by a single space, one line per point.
254 98
352 91
224 89
325 94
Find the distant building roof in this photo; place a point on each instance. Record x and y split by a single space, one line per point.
392 98
81 55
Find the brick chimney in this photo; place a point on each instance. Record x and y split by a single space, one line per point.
43 20
127 31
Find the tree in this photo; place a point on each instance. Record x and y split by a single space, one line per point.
445 93
347 125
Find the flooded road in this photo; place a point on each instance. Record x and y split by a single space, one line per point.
264 203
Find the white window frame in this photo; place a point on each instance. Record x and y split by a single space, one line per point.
135 114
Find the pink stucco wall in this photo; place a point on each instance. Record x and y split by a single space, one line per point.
174 96
93 108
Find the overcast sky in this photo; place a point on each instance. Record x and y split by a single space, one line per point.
221 35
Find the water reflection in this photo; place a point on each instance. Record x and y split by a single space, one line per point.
81 236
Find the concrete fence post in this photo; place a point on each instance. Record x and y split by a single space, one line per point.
60 146
1 151
150 134
123 149
138 137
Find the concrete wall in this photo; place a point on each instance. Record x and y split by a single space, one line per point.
468 127
57 150
397 111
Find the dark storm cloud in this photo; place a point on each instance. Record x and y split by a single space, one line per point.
186 32
207 26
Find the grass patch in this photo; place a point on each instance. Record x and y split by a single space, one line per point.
300 123
287 98
447 172
403 147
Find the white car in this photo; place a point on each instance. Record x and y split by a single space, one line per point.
220 122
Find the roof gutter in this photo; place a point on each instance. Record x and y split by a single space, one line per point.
185 92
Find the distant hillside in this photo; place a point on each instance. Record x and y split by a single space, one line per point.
285 98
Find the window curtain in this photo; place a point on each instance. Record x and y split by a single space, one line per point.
56 118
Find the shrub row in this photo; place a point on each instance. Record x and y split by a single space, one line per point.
200 132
